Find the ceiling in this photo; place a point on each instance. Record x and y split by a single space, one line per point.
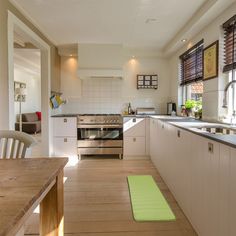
27 60
133 23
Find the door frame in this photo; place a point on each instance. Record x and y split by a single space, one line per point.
13 24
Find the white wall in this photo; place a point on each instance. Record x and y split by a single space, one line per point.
33 88
98 95
213 89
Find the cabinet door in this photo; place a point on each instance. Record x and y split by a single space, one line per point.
134 146
224 188
152 138
65 127
197 164
65 146
211 187
182 169
134 127
232 192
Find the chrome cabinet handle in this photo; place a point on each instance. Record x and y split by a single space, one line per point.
65 120
65 140
162 126
178 133
134 139
134 120
210 147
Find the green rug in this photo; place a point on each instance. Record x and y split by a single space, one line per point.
147 201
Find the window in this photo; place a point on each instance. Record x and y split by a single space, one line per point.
230 44
191 72
230 60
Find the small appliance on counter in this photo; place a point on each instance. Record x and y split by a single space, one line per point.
171 106
145 111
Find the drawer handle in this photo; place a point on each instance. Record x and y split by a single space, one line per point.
163 126
134 120
65 140
210 147
178 133
65 120
134 139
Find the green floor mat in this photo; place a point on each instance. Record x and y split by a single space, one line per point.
147 201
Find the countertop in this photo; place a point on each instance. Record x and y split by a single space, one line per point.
191 125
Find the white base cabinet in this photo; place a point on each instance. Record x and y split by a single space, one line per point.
65 137
136 138
201 174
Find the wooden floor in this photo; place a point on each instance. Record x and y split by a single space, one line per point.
97 202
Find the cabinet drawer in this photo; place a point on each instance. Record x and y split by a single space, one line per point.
65 127
134 127
64 146
134 146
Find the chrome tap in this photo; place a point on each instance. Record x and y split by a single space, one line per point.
225 103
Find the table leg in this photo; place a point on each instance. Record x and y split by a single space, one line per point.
52 210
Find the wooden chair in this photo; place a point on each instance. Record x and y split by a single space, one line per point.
13 144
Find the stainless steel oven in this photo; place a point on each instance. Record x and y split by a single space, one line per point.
100 134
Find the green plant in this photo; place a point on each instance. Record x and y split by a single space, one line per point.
189 104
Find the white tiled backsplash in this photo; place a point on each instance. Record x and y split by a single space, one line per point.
104 96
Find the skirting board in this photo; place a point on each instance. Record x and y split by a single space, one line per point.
136 157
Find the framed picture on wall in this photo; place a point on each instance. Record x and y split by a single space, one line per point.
18 85
211 61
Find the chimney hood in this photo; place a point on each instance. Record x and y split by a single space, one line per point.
100 61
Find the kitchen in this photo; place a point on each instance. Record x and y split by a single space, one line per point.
123 93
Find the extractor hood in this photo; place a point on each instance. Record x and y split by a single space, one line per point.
100 61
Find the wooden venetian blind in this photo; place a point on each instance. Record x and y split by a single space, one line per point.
191 69
229 44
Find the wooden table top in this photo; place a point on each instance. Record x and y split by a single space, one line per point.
22 184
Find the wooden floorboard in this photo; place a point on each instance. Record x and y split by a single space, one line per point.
97 202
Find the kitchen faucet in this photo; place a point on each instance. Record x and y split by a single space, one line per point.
225 103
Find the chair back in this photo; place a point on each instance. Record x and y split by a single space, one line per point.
13 144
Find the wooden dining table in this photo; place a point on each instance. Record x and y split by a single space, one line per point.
26 183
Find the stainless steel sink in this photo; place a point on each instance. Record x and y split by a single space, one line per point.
218 130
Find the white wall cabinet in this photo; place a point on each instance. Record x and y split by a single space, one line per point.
65 136
201 174
136 137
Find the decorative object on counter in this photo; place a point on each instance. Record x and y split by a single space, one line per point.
210 61
171 106
189 105
145 111
147 81
193 108
129 109
56 100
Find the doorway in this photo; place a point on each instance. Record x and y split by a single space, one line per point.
42 50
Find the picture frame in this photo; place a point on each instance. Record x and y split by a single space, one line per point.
19 85
211 61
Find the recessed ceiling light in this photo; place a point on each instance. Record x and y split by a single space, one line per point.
150 20
183 40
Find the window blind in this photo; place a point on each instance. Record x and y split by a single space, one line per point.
229 44
191 68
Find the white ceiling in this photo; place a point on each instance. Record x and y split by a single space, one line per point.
113 21
122 21
27 60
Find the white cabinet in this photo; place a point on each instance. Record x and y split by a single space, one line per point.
65 136
201 174
136 137
64 127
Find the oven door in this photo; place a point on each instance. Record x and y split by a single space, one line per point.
100 137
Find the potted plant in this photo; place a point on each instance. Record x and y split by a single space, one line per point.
189 106
198 109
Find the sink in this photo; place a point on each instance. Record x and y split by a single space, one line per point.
217 130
